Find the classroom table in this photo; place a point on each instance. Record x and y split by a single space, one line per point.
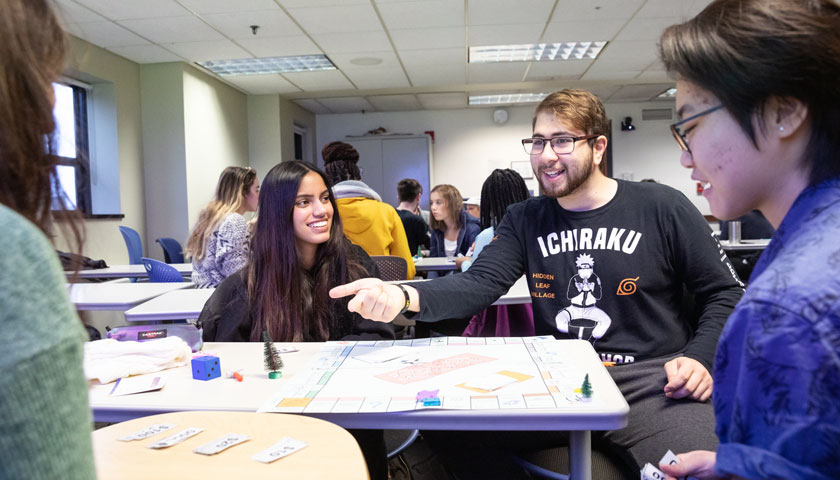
435 264
179 304
759 244
127 271
182 393
116 459
118 296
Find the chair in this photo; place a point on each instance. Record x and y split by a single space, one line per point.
160 272
172 251
134 245
391 267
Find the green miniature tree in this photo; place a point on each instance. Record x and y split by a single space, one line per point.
273 362
586 388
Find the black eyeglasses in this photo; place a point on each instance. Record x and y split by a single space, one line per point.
560 145
679 135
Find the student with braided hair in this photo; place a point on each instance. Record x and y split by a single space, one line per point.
368 222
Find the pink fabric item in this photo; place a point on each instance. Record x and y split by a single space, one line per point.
502 321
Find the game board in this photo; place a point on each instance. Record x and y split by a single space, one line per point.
468 373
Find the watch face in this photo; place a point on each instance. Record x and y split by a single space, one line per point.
500 116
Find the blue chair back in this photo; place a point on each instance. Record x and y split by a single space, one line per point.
160 272
172 251
134 245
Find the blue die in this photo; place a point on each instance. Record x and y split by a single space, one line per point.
206 368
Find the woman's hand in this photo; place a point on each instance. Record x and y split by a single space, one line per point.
699 464
375 300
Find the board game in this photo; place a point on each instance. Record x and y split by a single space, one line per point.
472 373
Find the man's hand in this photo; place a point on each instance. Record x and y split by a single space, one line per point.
699 464
460 260
373 299
688 378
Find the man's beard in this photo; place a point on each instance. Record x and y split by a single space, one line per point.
575 177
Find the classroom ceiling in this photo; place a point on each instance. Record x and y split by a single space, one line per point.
393 55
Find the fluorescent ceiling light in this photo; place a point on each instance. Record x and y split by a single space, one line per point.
507 98
266 65
536 52
670 93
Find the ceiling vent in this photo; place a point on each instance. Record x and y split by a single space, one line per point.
656 114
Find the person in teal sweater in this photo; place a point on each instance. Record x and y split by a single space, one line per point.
46 423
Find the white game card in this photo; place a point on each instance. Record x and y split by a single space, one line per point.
384 354
147 432
222 444
285 447
177 438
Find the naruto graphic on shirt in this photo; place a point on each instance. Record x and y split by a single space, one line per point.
582 319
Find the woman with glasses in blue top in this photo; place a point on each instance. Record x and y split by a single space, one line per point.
759 98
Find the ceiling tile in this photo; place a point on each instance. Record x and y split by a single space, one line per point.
124 9
262 84
280 46
603 91
440 101
424 38
346 104
422 14
227 6
172 29
678 10
343 61
383 78
391 103
610 75
582 31
146 54
105 34
502 12
272 23
320 80
576 10
71 12
565 69
496 72
629 93
435 67
352 42
321 3
214 50
337 19
505 35
649 29
312 105
628 55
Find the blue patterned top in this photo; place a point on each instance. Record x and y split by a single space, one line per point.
777 370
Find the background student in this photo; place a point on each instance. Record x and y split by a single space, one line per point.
453 230
218 243
368 222
409 192
298 252
759 100
46 423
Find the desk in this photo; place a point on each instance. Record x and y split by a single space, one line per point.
434 264
127 271
182 393
331 452
760 244
173 305
117 296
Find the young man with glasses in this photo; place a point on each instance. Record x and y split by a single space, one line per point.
608 261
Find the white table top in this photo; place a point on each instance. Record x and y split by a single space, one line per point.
172 305
180 304
182 393
117 296
759 244
428 264
127 271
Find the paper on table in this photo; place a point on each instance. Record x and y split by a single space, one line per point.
383 354
129 385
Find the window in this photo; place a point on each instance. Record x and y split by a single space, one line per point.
71 146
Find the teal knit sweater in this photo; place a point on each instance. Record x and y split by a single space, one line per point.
45 421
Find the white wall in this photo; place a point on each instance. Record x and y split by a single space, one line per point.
215 137
264 146
468 145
